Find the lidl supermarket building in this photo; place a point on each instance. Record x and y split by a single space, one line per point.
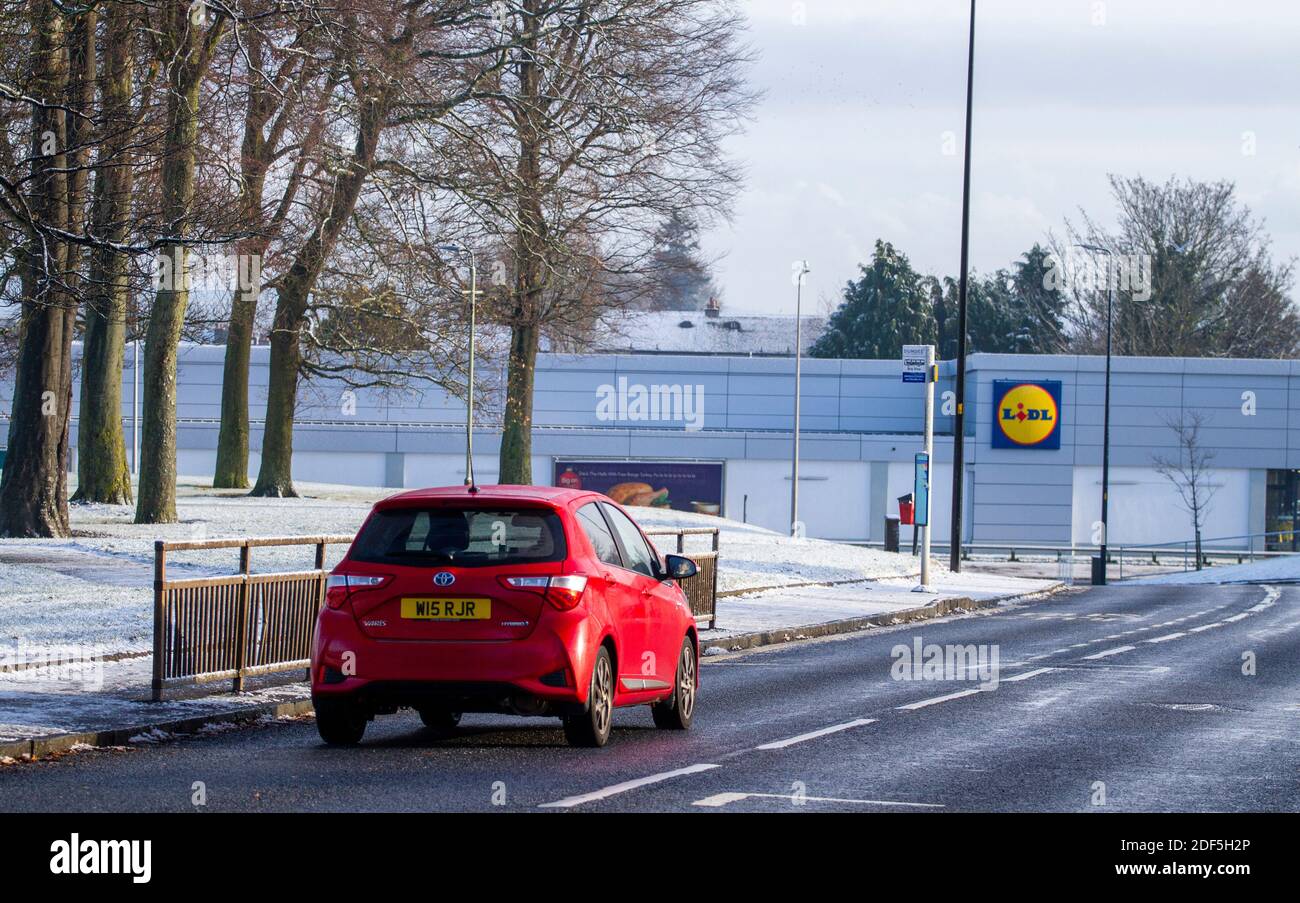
716 432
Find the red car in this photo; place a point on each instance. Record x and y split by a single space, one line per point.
519 599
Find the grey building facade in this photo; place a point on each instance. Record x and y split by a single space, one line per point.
861 427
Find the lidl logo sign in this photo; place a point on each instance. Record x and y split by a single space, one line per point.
1027 415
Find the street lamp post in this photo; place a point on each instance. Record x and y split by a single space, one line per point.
135 395
959 412
801 271
469 395
1100 572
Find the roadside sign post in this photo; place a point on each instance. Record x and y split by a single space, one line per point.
919 367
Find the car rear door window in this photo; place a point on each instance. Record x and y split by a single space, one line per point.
593 524
639 556
465 537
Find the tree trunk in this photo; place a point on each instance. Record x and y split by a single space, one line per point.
156 503
232 438
33 491
516 459
275 476
103 474
157 500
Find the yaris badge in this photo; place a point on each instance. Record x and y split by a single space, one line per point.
444 578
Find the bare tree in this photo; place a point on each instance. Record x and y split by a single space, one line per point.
609 120
188 34
1213 288
33 488
1190 471
103 473
412 67
285 89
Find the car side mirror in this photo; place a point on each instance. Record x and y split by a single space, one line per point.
679 567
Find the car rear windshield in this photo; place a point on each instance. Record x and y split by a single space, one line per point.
459 536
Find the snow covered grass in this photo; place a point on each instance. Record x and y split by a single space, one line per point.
95 587
1280 568
44 607
753 557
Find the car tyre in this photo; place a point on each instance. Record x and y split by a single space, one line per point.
439 719
675 712
591 727
340 722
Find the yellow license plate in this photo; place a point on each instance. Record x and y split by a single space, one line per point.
447 609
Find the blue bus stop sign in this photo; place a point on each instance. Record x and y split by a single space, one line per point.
921 492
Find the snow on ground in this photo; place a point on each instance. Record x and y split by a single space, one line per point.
35 703
96 587
805 605
1281 568
755 557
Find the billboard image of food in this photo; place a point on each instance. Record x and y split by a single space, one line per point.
681 486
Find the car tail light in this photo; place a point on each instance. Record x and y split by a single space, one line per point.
566 592
563 593
338 586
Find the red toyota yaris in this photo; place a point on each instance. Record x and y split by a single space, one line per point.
519 599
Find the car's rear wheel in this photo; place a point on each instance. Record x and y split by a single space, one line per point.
340 722
439 719
675 712
591 727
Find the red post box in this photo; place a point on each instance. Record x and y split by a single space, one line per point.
906 511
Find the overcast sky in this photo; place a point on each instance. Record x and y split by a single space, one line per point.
863 97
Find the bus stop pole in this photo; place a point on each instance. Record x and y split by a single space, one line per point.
929 456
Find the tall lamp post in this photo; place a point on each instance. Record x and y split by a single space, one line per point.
801 271
469 396
1099 567
959 415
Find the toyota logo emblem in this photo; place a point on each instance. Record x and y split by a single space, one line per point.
444 578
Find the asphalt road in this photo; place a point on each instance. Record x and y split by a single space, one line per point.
1113 699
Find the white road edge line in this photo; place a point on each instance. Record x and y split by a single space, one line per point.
813 735
718 800
1116 651
613 790
913 706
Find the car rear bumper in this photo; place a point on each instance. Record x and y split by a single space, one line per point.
549 666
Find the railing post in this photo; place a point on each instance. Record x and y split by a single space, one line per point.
321 579
713 602
241 619
159 615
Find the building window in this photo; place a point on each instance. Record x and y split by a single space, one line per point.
1282 511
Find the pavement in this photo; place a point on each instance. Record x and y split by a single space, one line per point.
42 712
1111 699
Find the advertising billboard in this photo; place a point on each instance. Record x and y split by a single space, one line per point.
680 485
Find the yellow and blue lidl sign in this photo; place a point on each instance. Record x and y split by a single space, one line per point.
1026 414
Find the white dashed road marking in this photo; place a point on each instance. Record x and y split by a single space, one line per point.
913 706
1026 675
718 800
1167 637
570 801
813 735
1116 651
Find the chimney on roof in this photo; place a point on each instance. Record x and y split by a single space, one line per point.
713 308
